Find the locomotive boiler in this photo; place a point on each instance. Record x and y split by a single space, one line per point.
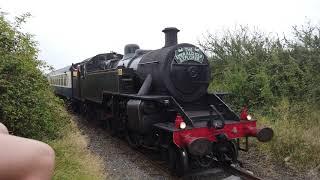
158 99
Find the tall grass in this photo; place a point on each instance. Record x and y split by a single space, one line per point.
297 136
73 160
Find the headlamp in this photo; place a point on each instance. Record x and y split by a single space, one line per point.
182 125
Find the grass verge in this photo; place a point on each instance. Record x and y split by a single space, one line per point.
73 160
296 143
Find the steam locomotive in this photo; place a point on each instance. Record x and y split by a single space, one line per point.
158 99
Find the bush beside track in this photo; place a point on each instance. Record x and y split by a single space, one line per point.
278 78
29 108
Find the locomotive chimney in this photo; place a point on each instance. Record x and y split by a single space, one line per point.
171 36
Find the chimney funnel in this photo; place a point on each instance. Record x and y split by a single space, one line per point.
170 36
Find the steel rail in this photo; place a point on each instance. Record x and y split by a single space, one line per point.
240 172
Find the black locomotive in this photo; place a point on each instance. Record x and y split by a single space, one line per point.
159 99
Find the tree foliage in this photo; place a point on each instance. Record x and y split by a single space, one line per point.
260 70
27 104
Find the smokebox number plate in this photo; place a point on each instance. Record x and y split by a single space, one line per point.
184 54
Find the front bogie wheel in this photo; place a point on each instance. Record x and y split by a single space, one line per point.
178 160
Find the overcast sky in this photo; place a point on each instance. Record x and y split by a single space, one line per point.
72 30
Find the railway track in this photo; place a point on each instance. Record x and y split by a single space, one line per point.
218 172
241 173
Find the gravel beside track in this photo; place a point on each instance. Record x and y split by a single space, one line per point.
121 161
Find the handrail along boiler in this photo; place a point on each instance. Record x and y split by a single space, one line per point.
158 99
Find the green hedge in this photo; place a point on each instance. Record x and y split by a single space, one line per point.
260 69
27 104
